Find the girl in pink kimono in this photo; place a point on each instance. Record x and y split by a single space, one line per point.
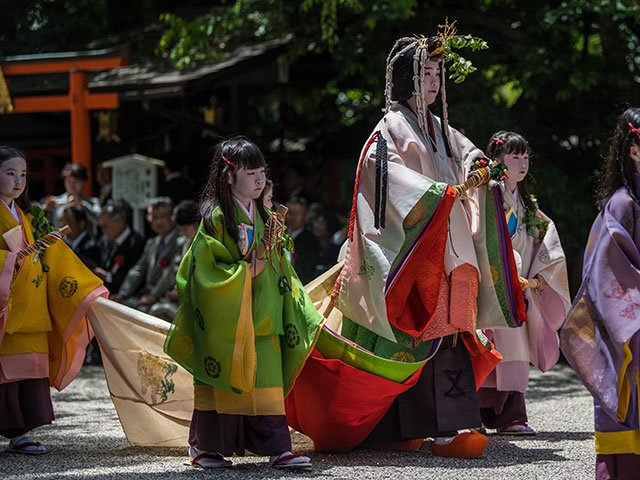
543 276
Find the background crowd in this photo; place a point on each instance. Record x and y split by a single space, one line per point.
139 268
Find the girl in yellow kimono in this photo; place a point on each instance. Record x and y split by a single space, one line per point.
43 299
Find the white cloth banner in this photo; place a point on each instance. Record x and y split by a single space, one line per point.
153 395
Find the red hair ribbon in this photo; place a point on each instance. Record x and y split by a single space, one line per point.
497 140
635 130
233 164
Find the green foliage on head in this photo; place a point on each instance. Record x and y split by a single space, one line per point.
459 66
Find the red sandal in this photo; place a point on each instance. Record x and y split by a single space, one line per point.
289 460
26 447
207 459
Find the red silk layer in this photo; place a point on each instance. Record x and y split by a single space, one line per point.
412 297
338 405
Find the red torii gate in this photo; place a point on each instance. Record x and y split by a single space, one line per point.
78 101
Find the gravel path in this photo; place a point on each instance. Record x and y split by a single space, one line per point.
86 442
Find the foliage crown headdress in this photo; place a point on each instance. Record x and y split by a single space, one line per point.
416 51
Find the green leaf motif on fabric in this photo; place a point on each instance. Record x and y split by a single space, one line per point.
212 367
367 269
38 280
167 387
291 335
155 376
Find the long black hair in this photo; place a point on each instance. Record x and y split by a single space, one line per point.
229 156
504 143
619 168
7 153
403 68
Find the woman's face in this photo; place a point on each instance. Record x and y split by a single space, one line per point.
431 81
518 165
73 185
13 179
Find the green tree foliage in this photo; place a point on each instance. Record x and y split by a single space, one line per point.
45 26
558 71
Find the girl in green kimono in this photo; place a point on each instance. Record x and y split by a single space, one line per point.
245 325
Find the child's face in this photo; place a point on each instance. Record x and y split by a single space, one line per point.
518 165
268 198
248 185
13 179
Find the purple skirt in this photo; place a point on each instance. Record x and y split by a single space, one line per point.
499 409
24 405
228 434
621 466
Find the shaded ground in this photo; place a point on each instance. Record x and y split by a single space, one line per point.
86 442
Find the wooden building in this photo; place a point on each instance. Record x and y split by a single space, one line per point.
95 105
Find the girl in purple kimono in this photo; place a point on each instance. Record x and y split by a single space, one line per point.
600 336
543 275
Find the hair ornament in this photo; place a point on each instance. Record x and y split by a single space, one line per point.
445 32
497 140
233 164
635 130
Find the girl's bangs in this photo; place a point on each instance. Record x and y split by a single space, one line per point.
516 145
251 158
